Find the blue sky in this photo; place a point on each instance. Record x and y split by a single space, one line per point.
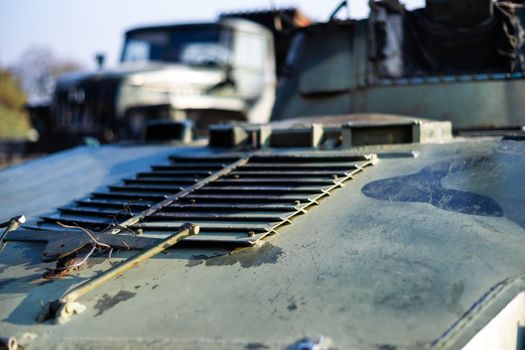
77 29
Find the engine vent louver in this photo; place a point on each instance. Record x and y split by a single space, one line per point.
233 199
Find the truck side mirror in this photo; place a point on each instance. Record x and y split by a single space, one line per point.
99 59
228 68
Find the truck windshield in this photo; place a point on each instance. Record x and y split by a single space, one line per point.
193 46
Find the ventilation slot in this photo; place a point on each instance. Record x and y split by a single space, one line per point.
107 209
233 200
256 198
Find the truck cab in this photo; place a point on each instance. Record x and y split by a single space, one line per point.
205 73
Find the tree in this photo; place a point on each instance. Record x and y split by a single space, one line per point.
37 70
13 121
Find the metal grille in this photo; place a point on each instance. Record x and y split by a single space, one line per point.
233 200
90 106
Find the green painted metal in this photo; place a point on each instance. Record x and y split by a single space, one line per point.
325 81
475 104
370 254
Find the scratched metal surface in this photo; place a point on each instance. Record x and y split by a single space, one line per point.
388 262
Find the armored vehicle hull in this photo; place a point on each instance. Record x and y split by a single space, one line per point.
404 239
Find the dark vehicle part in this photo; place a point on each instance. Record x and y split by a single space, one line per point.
344 131
8 343
417 63
459 13
170 130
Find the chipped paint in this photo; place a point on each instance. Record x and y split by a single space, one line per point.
426 186
106 302
246 257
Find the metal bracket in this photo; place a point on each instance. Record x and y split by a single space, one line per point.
63 244
62 309
10 225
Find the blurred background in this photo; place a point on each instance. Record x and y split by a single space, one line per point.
41 40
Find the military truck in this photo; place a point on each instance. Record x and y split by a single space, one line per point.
202 73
